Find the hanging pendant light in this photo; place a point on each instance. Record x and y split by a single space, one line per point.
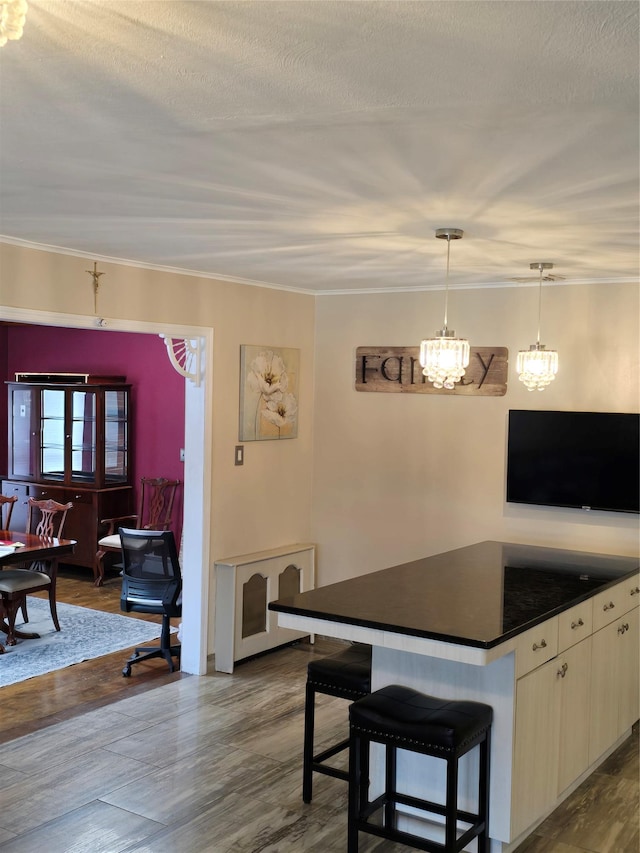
12 18
445 357
537 366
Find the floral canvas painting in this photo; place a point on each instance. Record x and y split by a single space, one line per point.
268 393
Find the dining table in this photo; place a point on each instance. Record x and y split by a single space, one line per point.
18 549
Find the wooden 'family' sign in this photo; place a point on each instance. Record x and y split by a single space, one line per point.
398 370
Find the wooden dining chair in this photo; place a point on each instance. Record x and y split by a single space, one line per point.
6 509
155 512
44 518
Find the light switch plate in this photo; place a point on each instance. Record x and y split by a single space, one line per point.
239 454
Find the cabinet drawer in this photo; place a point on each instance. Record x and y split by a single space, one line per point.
77 497
536 646
612 603
43 493
575 624
10 489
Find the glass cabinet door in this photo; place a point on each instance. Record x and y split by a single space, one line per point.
116 436
83 436
22 452
52 431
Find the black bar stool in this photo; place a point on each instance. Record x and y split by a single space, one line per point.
402 718
346 675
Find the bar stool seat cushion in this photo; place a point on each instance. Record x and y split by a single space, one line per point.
348 672
407 716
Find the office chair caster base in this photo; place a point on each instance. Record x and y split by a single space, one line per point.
147 653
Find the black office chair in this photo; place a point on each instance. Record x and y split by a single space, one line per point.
151 583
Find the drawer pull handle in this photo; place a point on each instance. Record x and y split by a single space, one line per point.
543 645
635 590
609 606
624 627
577 624
563 670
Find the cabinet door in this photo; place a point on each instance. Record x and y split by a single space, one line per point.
81 525
116 436
604 698
614 682
629 644
23 432
537 735
82 437
19 514
53 434
574 671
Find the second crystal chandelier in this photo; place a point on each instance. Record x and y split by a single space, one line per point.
537 366
445 357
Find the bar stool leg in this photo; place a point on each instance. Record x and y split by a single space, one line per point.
363 781
483 793
307 749
356 792
390 787
451 833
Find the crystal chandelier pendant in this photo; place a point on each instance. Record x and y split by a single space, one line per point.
12 18
537 366
445 357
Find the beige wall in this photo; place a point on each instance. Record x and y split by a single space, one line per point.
398 476
266 502
394 476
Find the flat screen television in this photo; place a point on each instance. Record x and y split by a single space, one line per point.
588 460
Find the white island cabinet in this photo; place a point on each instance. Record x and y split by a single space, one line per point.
564 691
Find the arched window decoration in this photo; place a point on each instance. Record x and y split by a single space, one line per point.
254 606
289 581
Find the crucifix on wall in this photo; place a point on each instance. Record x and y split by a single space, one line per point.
95 275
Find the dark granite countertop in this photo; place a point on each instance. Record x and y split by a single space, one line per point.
480 595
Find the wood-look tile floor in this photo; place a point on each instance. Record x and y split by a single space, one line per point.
214 764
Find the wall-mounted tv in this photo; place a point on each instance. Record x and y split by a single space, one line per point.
588 460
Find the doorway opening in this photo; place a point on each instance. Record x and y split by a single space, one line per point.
197 468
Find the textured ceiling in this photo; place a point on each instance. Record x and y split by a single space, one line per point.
318 145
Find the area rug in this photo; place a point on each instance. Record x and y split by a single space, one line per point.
84 634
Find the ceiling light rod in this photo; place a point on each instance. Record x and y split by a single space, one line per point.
444 357
447 234
541 267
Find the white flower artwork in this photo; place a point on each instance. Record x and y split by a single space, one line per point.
268 393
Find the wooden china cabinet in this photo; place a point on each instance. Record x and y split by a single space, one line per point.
69 439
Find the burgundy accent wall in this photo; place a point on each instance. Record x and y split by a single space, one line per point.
157 392
4 435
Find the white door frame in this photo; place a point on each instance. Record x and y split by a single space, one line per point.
197 470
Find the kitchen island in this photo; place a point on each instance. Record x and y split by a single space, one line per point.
548 637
